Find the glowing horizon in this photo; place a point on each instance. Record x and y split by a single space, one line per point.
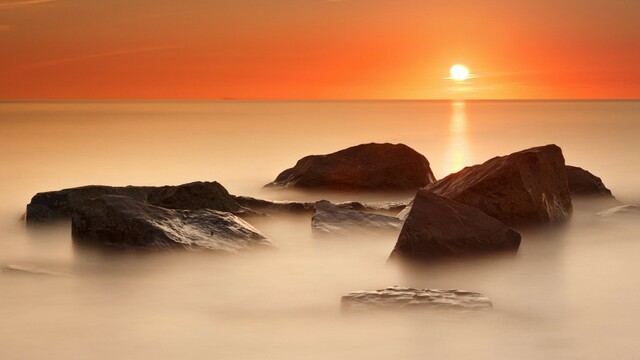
317 50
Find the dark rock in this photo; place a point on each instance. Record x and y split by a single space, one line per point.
401 298
528 186
333 219
59 205
122 222
368 167
621 211
441 228
584 183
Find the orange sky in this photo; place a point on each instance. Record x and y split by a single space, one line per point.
318 49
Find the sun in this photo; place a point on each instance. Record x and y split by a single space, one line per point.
459 72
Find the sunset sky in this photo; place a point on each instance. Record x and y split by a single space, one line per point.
318 49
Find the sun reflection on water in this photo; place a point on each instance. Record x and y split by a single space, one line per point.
458 154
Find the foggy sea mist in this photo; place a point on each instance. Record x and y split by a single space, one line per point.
570 293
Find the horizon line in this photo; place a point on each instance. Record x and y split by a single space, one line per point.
318 100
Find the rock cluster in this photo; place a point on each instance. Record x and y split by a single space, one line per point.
437 227
464 214
528 186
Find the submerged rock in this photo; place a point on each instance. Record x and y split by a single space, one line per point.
59 205
333 219
437 227
367 167
584 183
122 222
528 186
32 269
621 211
401 298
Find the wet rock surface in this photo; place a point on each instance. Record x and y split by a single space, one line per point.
437 227
584 183
403 298
59 205
367 167
333 219
528 186
121 222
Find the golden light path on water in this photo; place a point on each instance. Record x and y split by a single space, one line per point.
458 154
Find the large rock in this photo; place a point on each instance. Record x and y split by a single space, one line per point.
119 221
442 228
368 167
584 183
528 186
401 298
57 205
333 219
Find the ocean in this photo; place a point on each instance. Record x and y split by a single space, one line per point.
572 292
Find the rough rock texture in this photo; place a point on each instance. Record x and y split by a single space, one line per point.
401 298
441 228
333 219
528 186
268 206
368 167
122 222
57 205
584 183
621 211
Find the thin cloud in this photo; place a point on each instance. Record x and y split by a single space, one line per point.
59 61
11 4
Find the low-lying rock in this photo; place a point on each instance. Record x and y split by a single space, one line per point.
437 227
528 186
269 206
121 222
334 219
402 298
584 183
621 211
32 269
367 167
59 205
